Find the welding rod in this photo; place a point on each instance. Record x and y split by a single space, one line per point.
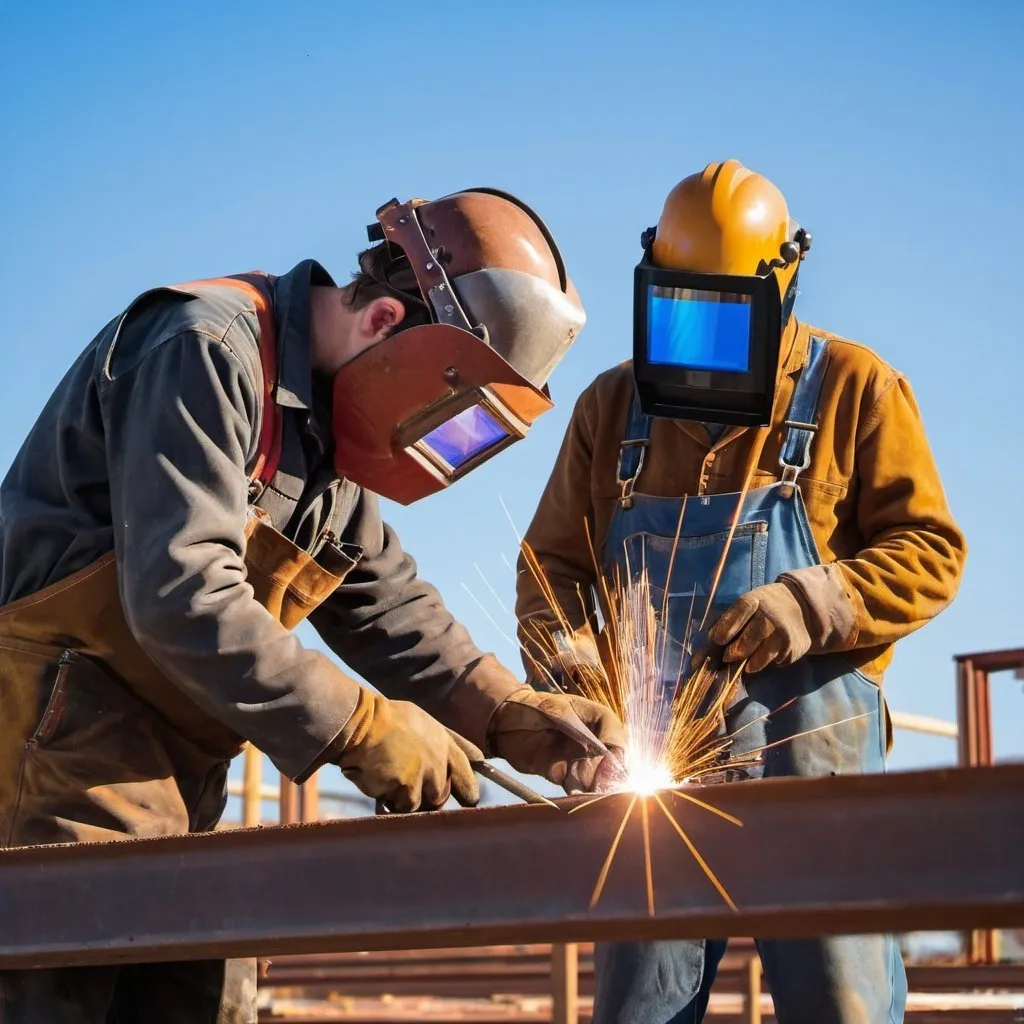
487 771
578 732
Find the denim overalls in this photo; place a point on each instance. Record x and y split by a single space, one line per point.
838 980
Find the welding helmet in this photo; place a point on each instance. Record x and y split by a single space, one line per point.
497 312
712 296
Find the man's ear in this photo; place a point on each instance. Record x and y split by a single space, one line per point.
378 319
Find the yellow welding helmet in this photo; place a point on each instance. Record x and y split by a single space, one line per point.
712 294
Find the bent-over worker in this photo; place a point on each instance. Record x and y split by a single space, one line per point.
203 479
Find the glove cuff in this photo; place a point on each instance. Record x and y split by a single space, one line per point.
829 613
352 733
476 696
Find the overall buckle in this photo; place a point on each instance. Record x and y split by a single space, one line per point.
627 485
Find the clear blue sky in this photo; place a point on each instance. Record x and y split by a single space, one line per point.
147 143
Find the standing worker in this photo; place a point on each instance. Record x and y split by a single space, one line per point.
842 545
204 478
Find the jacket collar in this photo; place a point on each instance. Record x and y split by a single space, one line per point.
294 342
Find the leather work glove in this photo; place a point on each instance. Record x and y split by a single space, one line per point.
807 611
395 752
524 730
577 655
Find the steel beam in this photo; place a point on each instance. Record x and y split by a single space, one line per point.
921 850
974 717
995 661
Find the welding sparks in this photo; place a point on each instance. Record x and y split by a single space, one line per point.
672 704
671 714
668 740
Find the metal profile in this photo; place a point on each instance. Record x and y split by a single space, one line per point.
923 850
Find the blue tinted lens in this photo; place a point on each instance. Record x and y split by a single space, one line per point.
465 436
698 330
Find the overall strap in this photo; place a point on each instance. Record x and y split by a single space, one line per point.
802 419
256 287
632 450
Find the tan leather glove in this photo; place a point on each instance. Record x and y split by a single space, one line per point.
524 730
807 611
395 752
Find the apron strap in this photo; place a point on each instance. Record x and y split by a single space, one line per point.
631 451
256 286
802 419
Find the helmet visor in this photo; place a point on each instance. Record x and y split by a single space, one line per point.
698 329
467 437
705 346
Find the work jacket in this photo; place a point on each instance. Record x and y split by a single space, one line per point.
140 469
874 499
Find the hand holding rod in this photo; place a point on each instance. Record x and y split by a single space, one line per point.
485 770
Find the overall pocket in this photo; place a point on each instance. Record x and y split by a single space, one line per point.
708 573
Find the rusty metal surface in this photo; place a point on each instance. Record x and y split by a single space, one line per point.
975 747
454 977
526 971
418 1012
974 715
994 661
904 852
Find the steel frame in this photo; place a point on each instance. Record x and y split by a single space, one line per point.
974 717
936 849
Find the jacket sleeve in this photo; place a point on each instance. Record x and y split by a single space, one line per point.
553 594
179 425
393 628
910 567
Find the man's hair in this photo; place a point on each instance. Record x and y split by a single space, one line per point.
385 271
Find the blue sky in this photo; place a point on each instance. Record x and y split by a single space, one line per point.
146 144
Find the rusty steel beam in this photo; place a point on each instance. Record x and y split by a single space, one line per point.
438 1012
974 714
288 801
921 850
975 748
309 800
482 973
565 983
995 661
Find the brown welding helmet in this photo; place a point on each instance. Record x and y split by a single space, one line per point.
433 401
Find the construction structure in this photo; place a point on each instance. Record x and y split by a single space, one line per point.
315 899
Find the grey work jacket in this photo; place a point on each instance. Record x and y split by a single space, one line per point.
143 449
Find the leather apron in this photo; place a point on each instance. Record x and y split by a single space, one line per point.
96 743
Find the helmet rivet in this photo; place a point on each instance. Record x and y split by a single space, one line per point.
430 266
451 374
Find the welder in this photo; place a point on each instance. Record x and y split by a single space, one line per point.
776 484
204 478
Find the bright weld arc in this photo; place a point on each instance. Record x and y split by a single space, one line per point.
666 744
